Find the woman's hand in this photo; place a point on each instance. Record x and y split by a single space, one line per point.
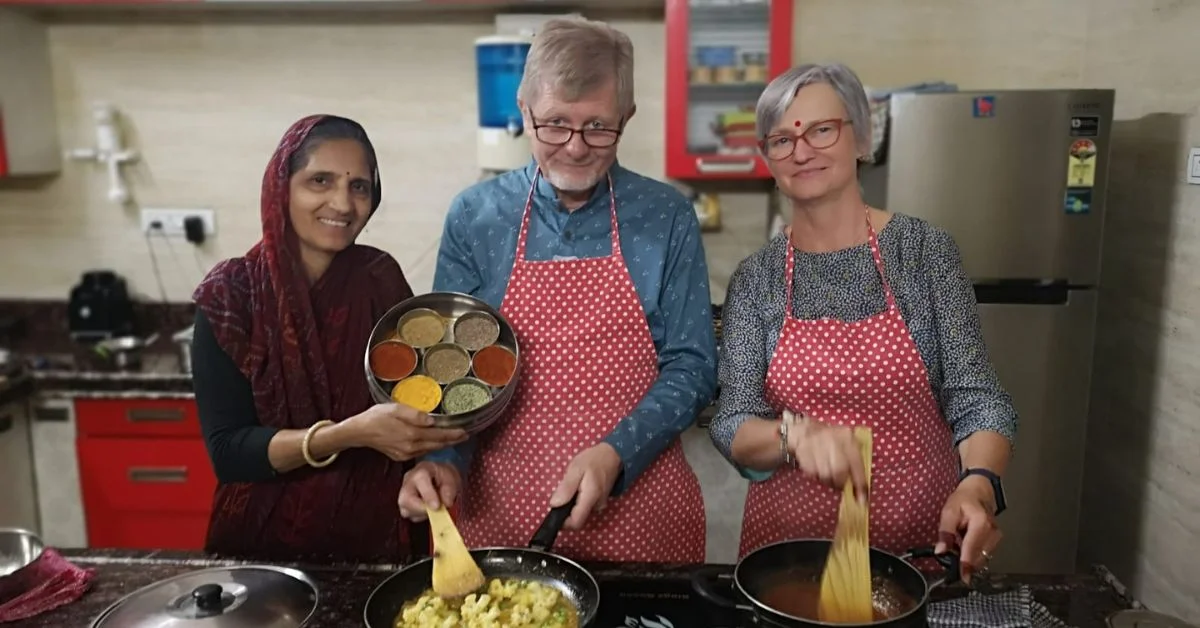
400 432
968 523
428 485
827 453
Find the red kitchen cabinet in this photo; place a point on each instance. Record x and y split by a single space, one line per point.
145 475
720 56
138 417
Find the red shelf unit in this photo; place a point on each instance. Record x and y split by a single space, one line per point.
720 56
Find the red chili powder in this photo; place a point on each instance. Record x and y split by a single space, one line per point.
494 365
392 360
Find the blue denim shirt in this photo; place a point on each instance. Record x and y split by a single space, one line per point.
661 243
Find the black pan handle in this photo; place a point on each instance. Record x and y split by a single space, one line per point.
547 533
703 584
948 560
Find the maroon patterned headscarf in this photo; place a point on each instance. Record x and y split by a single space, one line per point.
302 349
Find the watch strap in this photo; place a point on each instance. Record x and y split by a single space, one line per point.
994 480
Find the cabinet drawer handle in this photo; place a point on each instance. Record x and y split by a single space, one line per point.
147 415
50 413
724 165
158 475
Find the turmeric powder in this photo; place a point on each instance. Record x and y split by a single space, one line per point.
418 391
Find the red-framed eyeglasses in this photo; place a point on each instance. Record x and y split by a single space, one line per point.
819 135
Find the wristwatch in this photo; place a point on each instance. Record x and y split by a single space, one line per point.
997 486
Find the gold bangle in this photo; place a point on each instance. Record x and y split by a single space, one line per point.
312 462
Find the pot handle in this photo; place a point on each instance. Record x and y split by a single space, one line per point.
547 533
948 561
702 581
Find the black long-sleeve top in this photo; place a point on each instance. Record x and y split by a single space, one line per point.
237 442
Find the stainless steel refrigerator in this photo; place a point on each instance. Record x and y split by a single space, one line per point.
1018 178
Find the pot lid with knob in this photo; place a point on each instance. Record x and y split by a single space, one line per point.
1140 618
264 596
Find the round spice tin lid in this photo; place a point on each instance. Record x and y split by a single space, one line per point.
263 596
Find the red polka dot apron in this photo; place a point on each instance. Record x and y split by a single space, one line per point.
587 359
863 373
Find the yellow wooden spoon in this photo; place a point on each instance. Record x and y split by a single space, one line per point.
846 581
455 572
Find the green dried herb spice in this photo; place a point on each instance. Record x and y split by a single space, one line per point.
465 397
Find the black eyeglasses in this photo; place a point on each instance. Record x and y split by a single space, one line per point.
557 135
820 135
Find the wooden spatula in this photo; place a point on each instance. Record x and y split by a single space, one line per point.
455 572
846 581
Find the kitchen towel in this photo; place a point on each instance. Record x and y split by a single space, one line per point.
1011 609
47 583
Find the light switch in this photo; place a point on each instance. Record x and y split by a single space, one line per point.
1193 166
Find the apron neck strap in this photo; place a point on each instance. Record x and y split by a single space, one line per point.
523 235
876 256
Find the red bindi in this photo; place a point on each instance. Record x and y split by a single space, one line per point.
798 124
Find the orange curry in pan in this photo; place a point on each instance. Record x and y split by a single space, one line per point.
797 593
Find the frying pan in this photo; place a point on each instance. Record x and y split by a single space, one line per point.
897 585
535 563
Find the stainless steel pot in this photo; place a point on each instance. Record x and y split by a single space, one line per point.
124 353
183 347
19 548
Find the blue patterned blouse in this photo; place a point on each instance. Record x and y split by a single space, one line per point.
935 298
660 239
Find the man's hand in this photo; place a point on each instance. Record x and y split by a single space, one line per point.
429 484
968 522
590 477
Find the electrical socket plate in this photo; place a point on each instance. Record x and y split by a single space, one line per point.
172 220
1193 165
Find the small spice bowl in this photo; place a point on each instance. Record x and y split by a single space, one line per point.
476 330
494 365
465 395
447 362
418 391
421 328
392 360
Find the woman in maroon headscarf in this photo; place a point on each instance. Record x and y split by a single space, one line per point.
308 467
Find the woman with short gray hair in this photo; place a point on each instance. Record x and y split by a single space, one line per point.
856 317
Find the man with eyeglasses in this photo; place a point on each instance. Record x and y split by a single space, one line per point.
601 272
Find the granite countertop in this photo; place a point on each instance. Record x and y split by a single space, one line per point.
15 386
1083 600
159 378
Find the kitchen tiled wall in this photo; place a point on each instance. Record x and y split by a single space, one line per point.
207 100
206 103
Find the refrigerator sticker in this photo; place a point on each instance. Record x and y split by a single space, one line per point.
1085 126
1078 201
985 106
1081 164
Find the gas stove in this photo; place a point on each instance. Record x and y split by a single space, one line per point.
657 599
